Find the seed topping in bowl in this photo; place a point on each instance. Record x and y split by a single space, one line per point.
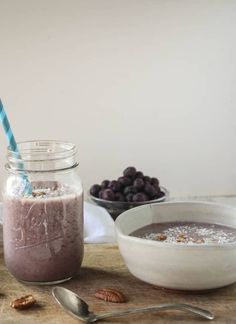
187 233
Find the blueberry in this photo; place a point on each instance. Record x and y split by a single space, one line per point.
156 187
114 186
150 190
155 181
124 181
147 179
130 189
129 172
94 190
119 196
108 194
158 195
140 196
100 193
105 184
129 197
139 174
138 183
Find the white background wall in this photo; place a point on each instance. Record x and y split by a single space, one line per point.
148 83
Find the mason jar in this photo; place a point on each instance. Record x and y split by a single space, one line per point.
43 212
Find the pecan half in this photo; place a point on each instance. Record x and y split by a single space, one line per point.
110 295
160 237
23 302
181 238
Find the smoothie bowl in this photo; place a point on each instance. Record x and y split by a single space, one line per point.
180 245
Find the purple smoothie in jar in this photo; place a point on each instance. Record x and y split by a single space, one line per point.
43 230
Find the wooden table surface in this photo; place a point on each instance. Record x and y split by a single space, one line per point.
104 267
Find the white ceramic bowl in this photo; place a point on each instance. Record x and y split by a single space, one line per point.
173 265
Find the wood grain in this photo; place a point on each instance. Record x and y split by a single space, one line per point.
103 267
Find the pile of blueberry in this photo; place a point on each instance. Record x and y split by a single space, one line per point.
133 186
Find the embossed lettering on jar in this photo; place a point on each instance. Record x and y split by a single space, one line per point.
43 226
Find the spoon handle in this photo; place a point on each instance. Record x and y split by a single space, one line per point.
183 307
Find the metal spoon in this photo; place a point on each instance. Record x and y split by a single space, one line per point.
78 308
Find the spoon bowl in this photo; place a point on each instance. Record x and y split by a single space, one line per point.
79 309
72 303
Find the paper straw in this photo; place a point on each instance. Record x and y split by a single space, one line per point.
12 142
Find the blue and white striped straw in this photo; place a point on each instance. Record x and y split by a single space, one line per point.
12 142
